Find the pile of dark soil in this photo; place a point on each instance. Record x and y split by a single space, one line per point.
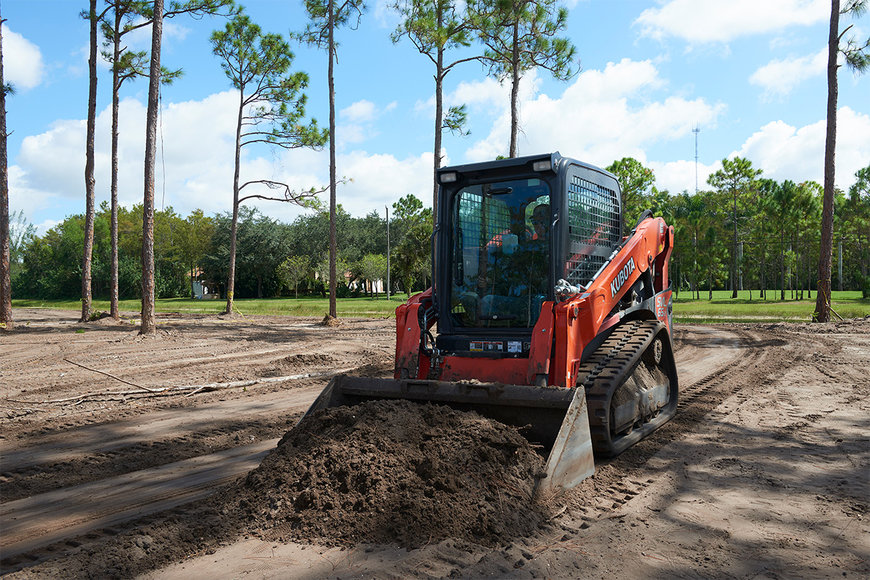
392 472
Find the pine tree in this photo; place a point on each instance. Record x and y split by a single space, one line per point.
271 108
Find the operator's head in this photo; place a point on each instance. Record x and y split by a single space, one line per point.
541 221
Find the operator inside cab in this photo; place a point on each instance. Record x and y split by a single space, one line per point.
501 249
541 222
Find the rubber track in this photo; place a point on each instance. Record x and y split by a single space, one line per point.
605 370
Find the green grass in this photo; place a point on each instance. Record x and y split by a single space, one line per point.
720 309
317 307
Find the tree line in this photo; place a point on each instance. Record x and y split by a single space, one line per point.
275 258
776 248
748 232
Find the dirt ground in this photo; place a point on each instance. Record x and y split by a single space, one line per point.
112 447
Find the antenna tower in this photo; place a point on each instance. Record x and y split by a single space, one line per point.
696 130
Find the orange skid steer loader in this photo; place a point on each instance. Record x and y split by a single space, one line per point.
547 316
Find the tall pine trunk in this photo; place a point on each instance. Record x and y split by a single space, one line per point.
148 324
860 254
5 275
333 250
116 56
515 92
710 284
439 112
231 277
823 298
90 195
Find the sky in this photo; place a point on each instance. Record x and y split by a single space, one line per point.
749 75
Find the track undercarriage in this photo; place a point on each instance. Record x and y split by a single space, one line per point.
631 386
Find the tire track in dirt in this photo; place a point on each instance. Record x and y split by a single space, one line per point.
737 365
757 359
197 350
165 424
146 369
43 519
83 454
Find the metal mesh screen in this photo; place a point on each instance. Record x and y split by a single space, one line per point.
594 228
469 222
481 227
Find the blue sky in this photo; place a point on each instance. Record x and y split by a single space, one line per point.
749 73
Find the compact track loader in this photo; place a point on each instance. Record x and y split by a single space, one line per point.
547 317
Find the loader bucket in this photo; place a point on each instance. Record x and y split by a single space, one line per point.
555 418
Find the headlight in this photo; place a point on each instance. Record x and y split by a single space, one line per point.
543 165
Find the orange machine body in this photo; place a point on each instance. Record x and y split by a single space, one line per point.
563 330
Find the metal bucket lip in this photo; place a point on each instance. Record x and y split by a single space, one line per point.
470 392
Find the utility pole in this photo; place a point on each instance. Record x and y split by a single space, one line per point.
387 209
696 130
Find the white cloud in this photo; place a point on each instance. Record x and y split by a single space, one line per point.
798 154
359 112
779 77
350 135
44 226
375 180
679 176
22 61
783 152
385 15
706 21
197 146
427 106
195 139
381 179
482 95
24 198
359 119
601 116
485 98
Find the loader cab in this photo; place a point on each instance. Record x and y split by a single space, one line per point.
508 230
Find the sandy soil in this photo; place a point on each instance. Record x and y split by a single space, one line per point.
764 473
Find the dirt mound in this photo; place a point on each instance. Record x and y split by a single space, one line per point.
306 360
298 362
392 472
330 321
